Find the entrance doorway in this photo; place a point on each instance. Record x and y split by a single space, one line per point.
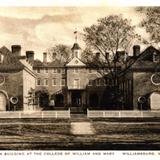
76 99
59 100
77 102
155 101
3 102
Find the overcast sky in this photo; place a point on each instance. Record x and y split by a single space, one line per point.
38 28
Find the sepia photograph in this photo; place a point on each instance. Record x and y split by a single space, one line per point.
79 78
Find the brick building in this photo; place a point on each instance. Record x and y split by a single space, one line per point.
70 84
140 85
16 79
75 84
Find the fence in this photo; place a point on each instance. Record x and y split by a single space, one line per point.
121 114
35 114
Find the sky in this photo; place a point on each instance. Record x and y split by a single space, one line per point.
39 28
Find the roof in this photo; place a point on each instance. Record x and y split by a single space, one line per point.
39 64
10 62
75 62
75 46
145 60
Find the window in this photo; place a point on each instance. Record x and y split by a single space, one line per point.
54 82
106 70
54 70
63 70
46 70
1 58
90 83
98 82
58 70
63 82
38 82
76 53
38 70
76 70
155 57
90 70
76 83
104 82
45 82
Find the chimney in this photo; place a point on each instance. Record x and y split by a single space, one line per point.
16 50
107 55
30 56
44 57
97 55
125 56
136 50
117 56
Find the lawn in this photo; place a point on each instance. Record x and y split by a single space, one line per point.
52 134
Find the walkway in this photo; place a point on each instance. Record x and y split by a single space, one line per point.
82 128
81 125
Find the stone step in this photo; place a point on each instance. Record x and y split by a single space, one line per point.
76 110
79 118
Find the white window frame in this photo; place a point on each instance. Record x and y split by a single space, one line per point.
37 82
44 82
104 82
59 70
90 84
154 57
1 57
38 70
90 71
63 80
76 86
98 82
54 70
76 70
63 70
46 70
54 80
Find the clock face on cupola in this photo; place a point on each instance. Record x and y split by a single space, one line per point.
75 62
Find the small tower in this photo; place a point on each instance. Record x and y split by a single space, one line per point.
76 50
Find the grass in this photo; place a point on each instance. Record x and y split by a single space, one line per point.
52 134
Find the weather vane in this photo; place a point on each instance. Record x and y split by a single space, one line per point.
76 36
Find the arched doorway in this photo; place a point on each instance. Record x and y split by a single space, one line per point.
3 101
155 101
59 100
42 98
93 100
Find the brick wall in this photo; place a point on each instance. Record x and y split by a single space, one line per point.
50 76
81 75
142 85
13 86
29 81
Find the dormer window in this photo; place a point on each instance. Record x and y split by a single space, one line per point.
1 58
156 57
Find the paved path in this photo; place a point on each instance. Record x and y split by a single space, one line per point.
82 128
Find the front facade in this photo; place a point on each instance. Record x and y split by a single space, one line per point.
72 84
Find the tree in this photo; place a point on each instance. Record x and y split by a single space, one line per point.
59 52
151 22
108 36
87 55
